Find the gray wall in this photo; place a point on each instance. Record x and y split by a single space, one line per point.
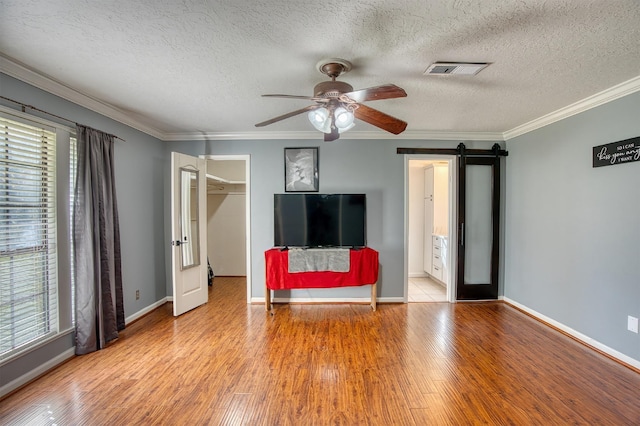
357 166
140 168
573 231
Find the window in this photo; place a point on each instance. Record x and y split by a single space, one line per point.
28 255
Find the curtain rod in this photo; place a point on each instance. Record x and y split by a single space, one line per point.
24 106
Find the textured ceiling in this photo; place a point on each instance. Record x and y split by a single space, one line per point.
199 67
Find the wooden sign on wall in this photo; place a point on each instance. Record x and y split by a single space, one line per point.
626 151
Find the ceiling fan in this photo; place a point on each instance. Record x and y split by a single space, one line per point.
337 104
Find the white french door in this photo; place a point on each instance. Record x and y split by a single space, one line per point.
188 232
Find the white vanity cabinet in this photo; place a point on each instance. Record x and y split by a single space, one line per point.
439 261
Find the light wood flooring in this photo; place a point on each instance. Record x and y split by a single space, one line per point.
229 363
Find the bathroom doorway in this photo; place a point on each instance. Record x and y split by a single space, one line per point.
430 209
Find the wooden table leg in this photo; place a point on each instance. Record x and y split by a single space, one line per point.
267 299
374 295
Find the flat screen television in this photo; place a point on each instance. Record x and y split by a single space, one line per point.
320 220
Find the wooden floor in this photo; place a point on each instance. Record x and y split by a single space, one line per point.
230 363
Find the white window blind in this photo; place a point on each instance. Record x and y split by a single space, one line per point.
73 177
28 274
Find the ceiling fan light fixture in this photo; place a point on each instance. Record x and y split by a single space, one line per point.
320 119
343 119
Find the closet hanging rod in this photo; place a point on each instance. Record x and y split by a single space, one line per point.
24 106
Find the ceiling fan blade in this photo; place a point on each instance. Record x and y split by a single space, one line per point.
386 91
287 115
311 98
380 119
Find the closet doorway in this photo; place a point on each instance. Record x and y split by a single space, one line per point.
429 219
228 219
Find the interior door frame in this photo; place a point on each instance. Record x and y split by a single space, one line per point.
247 170
459 151
452 235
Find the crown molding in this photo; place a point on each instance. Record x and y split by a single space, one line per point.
41 81
314 135
222 136
623 89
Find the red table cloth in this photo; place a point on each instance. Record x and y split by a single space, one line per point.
363 269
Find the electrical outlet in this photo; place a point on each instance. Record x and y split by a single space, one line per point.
632 324
138 297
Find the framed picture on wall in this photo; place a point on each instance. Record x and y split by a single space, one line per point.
301 170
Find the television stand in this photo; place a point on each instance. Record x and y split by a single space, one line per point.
363 270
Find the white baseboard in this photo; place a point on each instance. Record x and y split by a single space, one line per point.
41 369
320 300
577 335
258 300
418 275
146 310
391 300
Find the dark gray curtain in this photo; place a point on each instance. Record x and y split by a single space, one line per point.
98 271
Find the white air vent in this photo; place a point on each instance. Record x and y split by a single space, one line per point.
458 68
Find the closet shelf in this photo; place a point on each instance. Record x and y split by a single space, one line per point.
219 179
